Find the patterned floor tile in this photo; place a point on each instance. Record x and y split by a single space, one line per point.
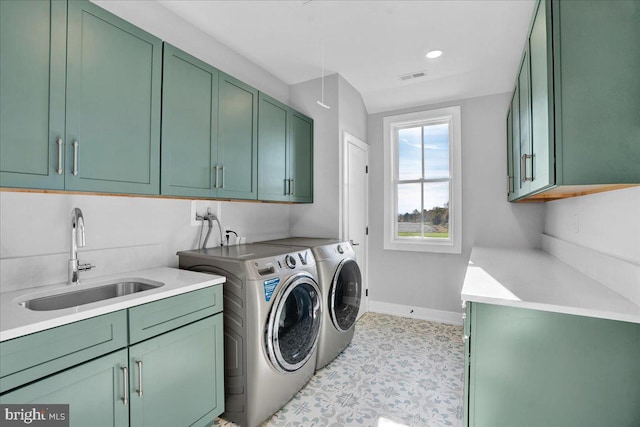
397 372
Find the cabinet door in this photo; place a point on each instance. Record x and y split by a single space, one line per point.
515 144
189 125
525 126
94 392
237 139
301 155
177 379
273 135
32 94
113 103
536 368
510 154
543 172
466 326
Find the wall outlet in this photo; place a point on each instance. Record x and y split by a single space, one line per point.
199 208
575 224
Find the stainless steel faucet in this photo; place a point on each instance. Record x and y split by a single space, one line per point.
77 241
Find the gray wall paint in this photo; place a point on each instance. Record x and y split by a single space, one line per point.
122 233
347 114
434 281
156 19
353 113
606 222
319 219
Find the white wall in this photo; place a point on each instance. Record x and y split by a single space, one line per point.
434 281
156 19
606 222
122 233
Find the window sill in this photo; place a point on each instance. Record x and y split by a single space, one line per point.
448 247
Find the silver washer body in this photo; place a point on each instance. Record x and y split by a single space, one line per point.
259 277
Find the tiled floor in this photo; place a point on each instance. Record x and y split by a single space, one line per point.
396 372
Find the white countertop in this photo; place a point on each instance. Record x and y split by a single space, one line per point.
530 278
16 320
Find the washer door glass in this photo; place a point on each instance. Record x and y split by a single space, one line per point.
344 299
294 323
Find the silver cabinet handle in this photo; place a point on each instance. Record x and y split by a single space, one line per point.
222 181
215 182
125 378
75 157
286 187
293 187
59 142
509 182
139 363
523 168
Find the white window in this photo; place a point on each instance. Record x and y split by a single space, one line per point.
423 185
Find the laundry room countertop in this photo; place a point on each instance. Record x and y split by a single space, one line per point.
16 320
530 278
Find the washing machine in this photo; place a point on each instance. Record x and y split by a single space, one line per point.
341 287
272 317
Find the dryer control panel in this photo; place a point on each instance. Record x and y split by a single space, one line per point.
286 263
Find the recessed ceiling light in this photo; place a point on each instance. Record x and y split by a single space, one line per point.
434 54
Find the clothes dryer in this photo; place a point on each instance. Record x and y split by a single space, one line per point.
341 287
272 317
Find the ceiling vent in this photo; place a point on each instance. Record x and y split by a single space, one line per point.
414 75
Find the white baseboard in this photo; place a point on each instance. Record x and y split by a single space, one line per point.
450 317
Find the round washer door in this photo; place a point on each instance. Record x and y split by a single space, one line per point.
294 323
345 295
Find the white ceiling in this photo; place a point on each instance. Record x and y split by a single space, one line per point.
371 43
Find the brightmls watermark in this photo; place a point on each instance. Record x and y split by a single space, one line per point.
34 415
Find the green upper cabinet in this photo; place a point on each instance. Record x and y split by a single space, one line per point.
513 150
189 126
113 103
32 93
540 170
285 153
237 139
301 155
525 158
273 139
580 109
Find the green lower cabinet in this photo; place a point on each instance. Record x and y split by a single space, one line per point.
93 390
176 379
536 368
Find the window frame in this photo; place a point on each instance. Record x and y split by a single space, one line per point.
391 124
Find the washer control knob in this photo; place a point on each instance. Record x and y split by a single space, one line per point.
291 261
340 250
303 259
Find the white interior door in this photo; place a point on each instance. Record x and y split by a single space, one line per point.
355 215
